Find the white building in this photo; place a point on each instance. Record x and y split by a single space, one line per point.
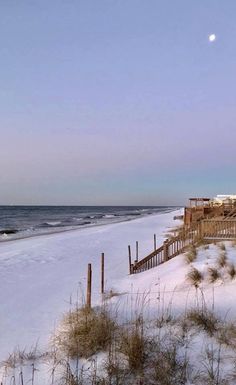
230 198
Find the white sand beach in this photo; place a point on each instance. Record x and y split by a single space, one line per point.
39 275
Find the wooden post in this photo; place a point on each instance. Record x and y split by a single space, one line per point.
89 285
166 250
137 251
129 253
201 230
131 268
155 241
21 378
102 273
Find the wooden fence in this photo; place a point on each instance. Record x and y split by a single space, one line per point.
205 229
170 249
219 229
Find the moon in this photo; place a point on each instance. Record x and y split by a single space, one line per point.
212 38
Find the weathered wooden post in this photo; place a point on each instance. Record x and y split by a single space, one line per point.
132 268
102 273
166 250
136 251
130 264
201 230
21 378
155 241
89 286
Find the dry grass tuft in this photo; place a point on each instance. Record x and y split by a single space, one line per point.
222 246
168 365
222 259
115 367
213 274
231 271
194 277
200 242
133 346
227 334
204 320
191 254
84 332
20 357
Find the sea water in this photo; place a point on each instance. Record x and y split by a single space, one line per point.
26 221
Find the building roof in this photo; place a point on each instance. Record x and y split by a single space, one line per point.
200 199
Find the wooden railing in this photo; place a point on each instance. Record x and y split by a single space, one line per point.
206 229
170 249
229 206
219 229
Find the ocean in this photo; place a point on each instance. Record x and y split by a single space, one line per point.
26 221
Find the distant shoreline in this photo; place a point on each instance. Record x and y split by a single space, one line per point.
17 235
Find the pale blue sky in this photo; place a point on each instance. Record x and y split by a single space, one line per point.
116 102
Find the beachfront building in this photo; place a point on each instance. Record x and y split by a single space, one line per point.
196 210
206 208
224 200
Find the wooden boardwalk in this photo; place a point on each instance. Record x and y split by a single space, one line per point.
209 230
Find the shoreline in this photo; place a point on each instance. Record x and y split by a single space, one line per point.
85 227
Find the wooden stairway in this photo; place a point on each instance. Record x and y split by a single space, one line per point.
231 214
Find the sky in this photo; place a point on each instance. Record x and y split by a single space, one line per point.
116 102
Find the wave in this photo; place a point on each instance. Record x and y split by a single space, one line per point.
8 231
53 223
95 216
47 224
108 216
17 223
